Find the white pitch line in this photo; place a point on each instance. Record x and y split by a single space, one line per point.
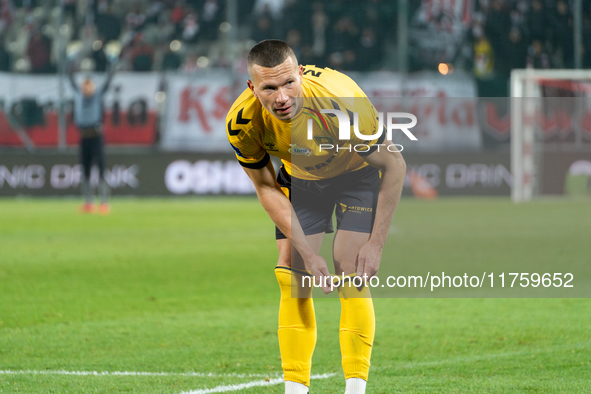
490 356
257 383
128 373
236 387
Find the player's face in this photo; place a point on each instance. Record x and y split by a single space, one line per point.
88 88
279 88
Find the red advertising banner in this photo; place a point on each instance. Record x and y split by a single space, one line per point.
30 103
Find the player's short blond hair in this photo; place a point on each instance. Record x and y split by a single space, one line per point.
269 53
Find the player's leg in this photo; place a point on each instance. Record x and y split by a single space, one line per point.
103 186
297 321
346 246
86 161
357 324
357 199
289 257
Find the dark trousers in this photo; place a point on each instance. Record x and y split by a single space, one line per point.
91 152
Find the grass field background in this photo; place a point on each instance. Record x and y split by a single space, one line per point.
180 286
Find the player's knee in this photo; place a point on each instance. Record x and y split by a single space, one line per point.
345 264
338 267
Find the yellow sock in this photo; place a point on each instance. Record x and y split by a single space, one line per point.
297 330
357 330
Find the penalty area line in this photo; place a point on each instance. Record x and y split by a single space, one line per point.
256 383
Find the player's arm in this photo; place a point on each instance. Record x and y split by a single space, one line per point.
70 72
393 169
279 209
112 70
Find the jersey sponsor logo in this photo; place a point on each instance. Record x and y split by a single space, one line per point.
317 116
299 150
271 147
354 208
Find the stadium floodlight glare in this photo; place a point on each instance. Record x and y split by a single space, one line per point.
73 49
113 49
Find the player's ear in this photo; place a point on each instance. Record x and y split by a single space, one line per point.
251 87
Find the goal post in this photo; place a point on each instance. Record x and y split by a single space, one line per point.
534 94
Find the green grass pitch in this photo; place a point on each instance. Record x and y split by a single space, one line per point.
184 291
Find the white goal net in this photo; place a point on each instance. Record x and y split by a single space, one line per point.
550 129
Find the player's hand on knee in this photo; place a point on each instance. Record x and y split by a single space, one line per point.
368 260
319 269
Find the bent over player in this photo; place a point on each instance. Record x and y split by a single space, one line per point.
272 117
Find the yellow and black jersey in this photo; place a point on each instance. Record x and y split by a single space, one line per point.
255 134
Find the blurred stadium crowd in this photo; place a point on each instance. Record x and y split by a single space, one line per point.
175 34
523 33
487 37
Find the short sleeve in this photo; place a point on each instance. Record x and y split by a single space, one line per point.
246 142
250 154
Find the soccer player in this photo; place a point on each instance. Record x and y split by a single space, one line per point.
88 116
270 117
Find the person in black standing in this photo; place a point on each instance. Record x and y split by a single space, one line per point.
88 117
